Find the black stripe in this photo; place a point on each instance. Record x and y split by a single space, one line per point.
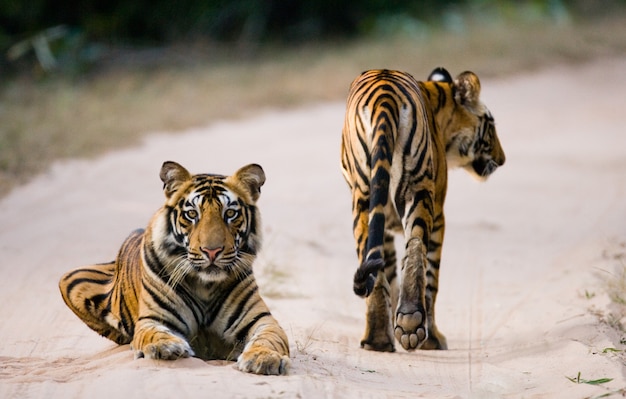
431 288
433 245
216 303
95 300
434 264
442 97
95 271
165 306
243 332
79 281
126 317
376 231
240 308
163 321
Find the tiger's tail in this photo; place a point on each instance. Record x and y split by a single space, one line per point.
380 166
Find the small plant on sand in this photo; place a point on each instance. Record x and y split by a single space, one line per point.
579 380
303 347
598 382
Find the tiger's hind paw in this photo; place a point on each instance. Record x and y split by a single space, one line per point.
263 361
410 330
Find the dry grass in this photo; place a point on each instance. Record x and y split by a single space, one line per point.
615 286
614 315
43 121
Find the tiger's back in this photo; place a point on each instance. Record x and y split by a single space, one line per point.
387 123
399 138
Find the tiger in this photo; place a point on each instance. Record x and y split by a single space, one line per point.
184 286
400 137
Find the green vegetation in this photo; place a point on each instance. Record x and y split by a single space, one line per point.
256 21
598 381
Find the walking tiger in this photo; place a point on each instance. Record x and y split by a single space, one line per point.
399 138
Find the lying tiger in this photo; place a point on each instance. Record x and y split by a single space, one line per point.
399 138
184 286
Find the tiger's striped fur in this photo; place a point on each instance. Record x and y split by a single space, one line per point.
399 138
185 286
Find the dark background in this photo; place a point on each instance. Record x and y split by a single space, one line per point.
284 21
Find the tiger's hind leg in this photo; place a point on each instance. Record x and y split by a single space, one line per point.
370 282
391 268
87 292
381 303
378 334
410 327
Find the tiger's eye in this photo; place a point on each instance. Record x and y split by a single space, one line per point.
191 214
231 213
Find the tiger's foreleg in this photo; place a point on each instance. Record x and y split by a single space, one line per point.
436 340
164 324
154 340
266 349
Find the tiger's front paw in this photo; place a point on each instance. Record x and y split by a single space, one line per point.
263 361
410 330
167 348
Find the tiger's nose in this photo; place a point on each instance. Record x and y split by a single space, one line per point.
212 253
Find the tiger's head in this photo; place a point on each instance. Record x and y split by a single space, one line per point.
469 128
209 228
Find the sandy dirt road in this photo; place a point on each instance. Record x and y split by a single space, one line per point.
523 272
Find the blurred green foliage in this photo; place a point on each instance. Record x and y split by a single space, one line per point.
255 20
66 35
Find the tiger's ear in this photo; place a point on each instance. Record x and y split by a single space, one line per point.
467 90
440 74
173 176
252 178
